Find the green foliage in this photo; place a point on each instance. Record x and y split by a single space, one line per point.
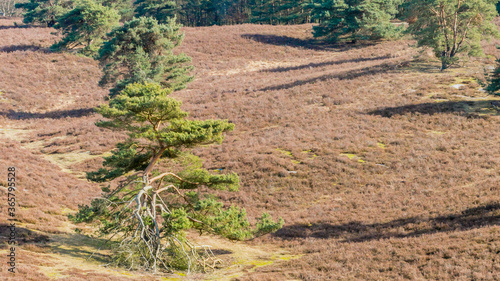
266 225
85 26
281 11
176 221
45 12
452 27
230 223
141 51
151 118
212 12
124 159
87 213
161 10
355 19
494 80
124 7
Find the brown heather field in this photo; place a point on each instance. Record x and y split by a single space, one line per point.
381 169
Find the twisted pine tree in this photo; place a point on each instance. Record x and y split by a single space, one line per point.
152 208
141 51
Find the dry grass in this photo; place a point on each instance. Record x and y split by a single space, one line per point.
381 169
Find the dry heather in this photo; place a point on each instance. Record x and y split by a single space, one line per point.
381 169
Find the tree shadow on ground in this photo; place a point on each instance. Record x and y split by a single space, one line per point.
465 108
14 26
311 44
351 74
20 235
487 215
321 64
75 245
59 114
14 48
81 246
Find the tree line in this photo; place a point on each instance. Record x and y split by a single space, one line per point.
449 27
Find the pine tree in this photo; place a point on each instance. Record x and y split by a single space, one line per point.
85 26
45 12
452 27
354 19
281 11
125 8
153 208
141 51
161 10
494 80
266 11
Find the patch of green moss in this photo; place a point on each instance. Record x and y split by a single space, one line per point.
285 152
308 151
438 132
353 156
349 155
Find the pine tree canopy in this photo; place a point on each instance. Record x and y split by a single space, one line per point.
355 19
156 125
141 51
85 26
494 80
161 10
125 8
45 12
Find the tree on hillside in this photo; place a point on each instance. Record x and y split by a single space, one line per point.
355 19
166 191
161 10
45 12
452 27
85 26
494 80
141 51
213 12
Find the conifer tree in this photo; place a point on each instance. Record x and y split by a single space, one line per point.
452 27
281 11
354 19
161 10
85 26
162 195
45 12
125 8
494 80
141 51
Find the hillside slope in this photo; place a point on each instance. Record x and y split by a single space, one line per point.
381 168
